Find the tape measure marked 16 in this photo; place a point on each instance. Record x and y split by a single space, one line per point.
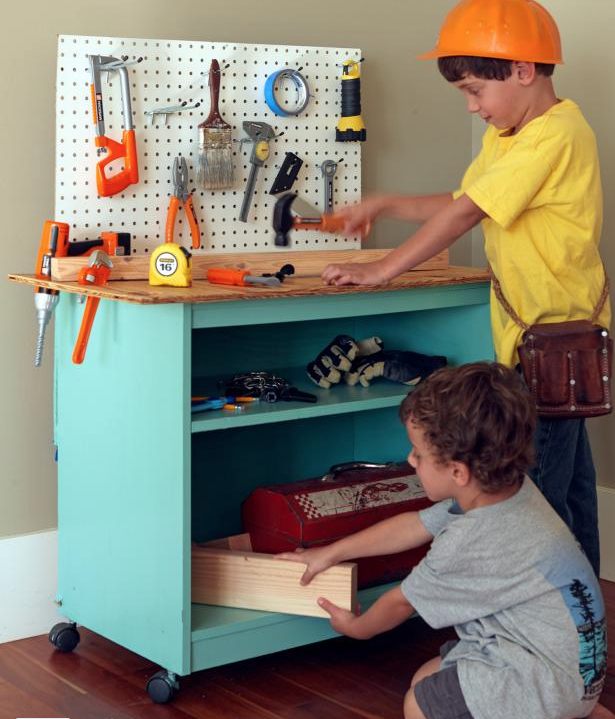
171 266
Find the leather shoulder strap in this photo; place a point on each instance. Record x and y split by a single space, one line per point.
518 321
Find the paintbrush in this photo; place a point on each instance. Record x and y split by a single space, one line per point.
215 159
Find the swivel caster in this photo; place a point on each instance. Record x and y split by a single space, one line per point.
64 636
162 687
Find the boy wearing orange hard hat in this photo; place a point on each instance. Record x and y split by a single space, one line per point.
535 188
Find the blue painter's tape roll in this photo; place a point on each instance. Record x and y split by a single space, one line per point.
300 84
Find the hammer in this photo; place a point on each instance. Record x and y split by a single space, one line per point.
284 220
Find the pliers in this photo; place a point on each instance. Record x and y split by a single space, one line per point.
182 195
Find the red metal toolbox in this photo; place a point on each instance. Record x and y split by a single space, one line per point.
318 511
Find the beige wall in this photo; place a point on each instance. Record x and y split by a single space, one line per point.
420 140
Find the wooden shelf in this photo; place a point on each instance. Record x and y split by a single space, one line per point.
213 626
338 399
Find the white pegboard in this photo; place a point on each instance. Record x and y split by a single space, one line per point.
175 71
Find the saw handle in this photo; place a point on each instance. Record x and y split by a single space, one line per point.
125 150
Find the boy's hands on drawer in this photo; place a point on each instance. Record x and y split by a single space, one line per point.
387 612
317 559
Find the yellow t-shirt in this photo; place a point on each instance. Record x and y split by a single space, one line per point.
541 191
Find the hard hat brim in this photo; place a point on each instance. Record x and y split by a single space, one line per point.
435 54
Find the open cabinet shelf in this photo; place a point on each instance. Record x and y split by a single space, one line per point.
338 399
141 478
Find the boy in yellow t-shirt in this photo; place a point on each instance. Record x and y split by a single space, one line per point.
535 187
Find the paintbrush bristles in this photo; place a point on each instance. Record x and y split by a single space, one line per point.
215 166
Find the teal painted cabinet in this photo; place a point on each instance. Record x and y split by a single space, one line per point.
140 478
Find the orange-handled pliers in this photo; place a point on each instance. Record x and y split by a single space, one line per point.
96 273
182 195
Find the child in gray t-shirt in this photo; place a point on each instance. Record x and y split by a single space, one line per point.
503 568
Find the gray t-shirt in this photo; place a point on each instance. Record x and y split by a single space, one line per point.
524 601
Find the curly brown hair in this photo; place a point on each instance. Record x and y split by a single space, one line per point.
457 67
480 414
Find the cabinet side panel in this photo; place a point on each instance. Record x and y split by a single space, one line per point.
124 465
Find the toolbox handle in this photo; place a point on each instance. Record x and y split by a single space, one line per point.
351 467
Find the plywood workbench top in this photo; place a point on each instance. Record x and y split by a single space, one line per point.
127 288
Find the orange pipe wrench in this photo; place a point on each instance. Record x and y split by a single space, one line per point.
126 150
96 273
181 195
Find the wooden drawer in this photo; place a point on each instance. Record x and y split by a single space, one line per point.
226 572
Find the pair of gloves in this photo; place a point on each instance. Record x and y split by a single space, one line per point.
361 362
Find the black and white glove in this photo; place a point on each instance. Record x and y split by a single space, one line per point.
397 365
337 357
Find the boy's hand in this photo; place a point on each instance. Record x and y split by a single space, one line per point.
355 273
343 621
317 559
362 214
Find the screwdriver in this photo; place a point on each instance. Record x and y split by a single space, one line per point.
241 278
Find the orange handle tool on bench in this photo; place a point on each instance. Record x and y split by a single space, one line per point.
227 276
241 278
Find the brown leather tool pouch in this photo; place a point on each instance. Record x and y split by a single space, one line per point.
567 366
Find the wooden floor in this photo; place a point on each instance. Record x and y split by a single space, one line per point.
338 679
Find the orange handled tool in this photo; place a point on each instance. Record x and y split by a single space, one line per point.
124 151
285 218
241 278
181 195
96 273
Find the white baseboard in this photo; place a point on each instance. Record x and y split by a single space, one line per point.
28 567
606 517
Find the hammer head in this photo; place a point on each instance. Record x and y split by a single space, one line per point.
282 219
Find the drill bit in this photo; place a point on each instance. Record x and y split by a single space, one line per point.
44 303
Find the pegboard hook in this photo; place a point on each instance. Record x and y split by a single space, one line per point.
219 71
164 111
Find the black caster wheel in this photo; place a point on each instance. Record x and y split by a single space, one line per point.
162 687
64 636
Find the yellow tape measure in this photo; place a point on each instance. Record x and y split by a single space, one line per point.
170 265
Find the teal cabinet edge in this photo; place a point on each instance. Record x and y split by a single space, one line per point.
124 468
317 307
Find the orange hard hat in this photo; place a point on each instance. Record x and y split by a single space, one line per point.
507 29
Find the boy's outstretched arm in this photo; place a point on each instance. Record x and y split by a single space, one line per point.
387 612
437 234
392 535
412 208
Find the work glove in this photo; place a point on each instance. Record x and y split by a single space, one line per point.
337 357
397 365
